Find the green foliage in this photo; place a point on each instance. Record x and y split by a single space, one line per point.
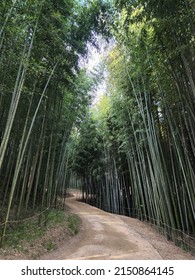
87 149
27 235
55 217
26 232
49 245
73 222
29 231
145 166
43 93
134 154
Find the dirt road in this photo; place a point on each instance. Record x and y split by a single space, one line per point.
107 236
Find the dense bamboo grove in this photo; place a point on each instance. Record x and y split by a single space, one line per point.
139 157
133 154
43 93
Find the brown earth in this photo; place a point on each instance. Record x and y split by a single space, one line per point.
105 236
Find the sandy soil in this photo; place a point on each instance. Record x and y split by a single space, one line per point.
104 236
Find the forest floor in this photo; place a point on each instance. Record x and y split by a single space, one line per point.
105 236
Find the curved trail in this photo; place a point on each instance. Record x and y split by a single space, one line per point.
104 236
107 237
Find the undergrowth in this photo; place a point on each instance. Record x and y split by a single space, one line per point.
73 223
25 235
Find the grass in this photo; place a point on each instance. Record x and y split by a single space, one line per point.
73 222
40 231
28 232
49 245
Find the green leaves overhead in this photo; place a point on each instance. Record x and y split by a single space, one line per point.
146 122
134 153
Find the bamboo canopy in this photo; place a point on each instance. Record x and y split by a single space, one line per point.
134 153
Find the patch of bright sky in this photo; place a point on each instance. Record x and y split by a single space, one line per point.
93 60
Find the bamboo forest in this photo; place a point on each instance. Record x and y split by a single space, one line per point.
133 151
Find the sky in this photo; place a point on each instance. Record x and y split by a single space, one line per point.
94 58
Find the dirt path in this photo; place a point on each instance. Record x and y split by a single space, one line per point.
107 236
